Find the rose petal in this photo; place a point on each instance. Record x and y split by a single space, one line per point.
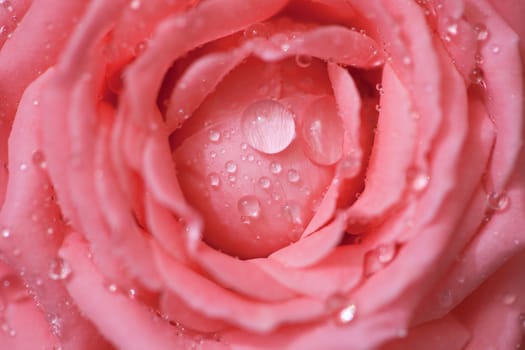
241 276
107 310
313 248
216 302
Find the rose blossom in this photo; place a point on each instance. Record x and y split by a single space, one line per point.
226 174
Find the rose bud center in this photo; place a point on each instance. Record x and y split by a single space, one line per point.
257 168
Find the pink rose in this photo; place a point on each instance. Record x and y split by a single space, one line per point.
246 174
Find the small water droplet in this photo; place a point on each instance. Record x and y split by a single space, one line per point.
452 29
293 213
6 233
497 201
293 176
112 288
379 87
249 206
244 146
134 4
276 167
346 314
481 32
214 180
213 154
39 160
36 102
407 60
303 61
509 298
418 180
250 157
23 167
214 135
59 269
264 182
385 253
495 49
230 166
132 293
256 30
476 77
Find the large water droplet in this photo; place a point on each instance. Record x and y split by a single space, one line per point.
497 201
322 132
268 126
59 269
249 206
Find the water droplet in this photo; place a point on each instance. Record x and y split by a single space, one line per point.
452 29
256 30
250 157
39 160
495 49
214 180
481 32
407 60
346 314
264 182
249 206
112 288
276 167
322 132
268 126
379 87
132 293
213 154
230 166
509 298
293 213
293 176
23 166
418 180
385 253
303 61
497 201
476 77
244 146
59 269
134 4
50 231
214 135
36 102
6 233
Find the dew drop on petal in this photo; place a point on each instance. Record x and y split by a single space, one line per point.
59 269
481 32
214 135
264 182
346 314
509 298
293 176
214 180
303 61
230 166
249 206
112 288
322 132
276 167
418 180
293 213
385 253
268 126
497 201
6 233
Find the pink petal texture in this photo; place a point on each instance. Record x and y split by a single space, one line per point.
281 174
